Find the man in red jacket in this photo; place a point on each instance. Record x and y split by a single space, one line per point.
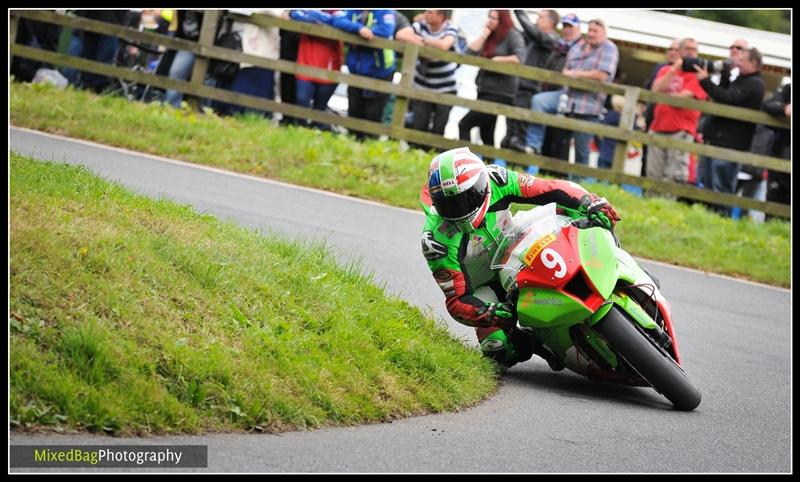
675 122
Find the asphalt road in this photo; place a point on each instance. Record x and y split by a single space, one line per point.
735 340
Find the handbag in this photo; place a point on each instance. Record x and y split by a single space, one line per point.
224 70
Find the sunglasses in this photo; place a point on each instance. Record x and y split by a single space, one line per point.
737 47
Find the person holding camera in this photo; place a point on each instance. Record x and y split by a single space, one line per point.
675 122
723 76
747 91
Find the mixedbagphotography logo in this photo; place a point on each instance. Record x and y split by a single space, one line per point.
160 456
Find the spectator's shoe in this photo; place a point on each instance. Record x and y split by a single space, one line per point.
517 145
505 142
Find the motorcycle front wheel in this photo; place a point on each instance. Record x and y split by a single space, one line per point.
650 361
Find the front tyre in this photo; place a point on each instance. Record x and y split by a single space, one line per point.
649 361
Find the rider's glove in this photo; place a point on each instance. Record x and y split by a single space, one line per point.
501 315
599 211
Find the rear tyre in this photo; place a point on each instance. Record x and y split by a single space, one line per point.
651 362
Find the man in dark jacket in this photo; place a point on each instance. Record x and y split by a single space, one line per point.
557 141
779 183
541 40
747 91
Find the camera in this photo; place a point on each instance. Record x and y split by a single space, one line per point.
712 66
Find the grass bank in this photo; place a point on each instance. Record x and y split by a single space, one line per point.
137 316
651 228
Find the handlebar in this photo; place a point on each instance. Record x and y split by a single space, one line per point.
583 223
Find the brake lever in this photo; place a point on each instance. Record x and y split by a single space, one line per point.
583 223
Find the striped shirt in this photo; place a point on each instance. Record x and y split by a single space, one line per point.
436 75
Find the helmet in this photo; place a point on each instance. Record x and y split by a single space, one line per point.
458 183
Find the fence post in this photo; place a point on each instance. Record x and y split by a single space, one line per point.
410 54
207 37
626 120
12 29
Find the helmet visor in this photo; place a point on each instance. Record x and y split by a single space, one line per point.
464 203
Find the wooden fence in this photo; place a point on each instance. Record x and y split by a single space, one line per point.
205 50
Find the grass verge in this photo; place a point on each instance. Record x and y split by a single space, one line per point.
137 316
651 228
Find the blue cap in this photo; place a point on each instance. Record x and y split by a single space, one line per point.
571 19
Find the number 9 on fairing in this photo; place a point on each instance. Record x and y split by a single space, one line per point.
551 259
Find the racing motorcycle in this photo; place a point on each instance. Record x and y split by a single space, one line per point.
588 302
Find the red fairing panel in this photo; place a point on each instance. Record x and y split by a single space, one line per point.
663 307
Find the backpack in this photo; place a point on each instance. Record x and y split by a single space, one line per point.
221 69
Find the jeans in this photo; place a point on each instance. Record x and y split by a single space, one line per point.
583 139
546 102
703 172
723 178
100 48
314 95
723 175
180 69
92 46
75 48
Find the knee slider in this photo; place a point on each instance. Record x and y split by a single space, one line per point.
497 347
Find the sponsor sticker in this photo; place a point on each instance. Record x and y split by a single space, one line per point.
537 248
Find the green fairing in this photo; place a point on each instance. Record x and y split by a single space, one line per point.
635 310
557 339
600 313
598 258
545 308
599 345
628 269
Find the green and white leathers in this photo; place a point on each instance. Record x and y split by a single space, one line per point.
461 262
471 252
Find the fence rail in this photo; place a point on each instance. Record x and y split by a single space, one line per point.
205 50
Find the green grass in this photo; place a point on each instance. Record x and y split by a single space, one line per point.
651 228
137 316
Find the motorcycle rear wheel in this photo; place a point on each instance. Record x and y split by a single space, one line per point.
651 362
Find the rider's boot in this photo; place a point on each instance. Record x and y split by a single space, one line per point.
527 344
496 345
516 346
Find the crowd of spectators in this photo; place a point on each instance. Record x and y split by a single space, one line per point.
540 43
